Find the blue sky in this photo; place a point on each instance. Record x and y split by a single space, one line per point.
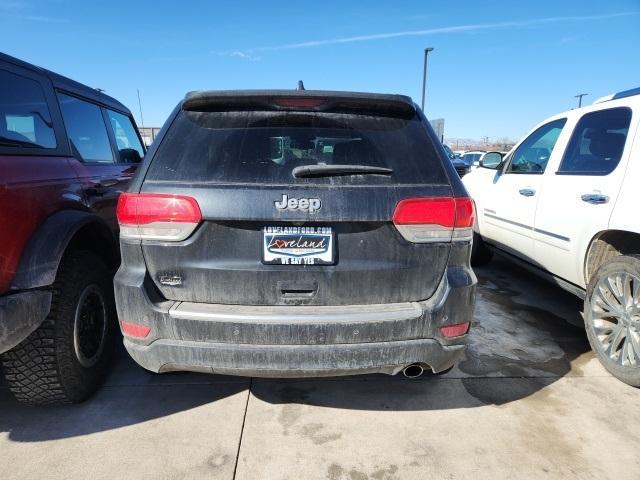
498 67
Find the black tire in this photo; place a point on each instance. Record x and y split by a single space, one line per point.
480 253
50 366
629 264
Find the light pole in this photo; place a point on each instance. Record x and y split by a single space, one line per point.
579 97
424 74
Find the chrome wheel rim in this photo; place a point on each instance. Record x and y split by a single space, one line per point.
90 326
615 316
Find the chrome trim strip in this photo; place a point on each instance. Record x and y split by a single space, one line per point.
297 314
527 227
554 235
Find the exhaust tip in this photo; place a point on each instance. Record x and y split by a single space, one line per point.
414 370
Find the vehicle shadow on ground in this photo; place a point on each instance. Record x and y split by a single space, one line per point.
129 397
520 342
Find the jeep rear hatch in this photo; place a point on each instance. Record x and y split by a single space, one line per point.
265 236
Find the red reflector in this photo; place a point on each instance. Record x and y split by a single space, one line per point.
145 208
426 211
455 330
298 102
135 329
465 212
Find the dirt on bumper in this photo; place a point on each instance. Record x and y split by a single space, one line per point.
295 341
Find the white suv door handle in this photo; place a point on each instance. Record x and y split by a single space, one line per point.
527 192
595 198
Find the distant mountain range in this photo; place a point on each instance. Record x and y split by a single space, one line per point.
501 144
452 141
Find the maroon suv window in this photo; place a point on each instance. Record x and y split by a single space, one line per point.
86 129
25 120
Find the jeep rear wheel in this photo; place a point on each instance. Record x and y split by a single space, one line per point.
67 357
612 317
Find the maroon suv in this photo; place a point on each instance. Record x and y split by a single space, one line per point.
66 153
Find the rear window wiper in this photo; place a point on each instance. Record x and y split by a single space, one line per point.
17 143
306 171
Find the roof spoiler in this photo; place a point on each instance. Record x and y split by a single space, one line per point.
300 100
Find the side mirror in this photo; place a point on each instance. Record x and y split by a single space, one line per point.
491 160
130 155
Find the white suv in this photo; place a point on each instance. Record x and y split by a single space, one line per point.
565 204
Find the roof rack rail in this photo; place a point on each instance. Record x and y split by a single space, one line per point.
627 93
615 96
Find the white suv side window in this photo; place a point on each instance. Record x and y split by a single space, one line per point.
533 154
597 143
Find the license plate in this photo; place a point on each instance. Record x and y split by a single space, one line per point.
297 245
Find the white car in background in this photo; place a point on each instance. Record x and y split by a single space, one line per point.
472 158
564 203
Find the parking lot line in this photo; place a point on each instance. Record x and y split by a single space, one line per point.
244 418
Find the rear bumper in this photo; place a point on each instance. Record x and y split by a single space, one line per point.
20 314
295 341
293 360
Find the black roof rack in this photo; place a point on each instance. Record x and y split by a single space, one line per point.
68 85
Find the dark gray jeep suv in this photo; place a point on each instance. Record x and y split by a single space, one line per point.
294 234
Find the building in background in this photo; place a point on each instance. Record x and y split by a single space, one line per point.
149 134
438 126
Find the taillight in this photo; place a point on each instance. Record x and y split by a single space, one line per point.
299 102
465 217
135 329
157 216
435 219
455 330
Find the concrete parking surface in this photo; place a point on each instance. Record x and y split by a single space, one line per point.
530 401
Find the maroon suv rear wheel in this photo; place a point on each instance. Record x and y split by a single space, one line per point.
67 357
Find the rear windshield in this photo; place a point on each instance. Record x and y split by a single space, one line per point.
264 147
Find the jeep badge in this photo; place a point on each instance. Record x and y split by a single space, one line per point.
310 205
